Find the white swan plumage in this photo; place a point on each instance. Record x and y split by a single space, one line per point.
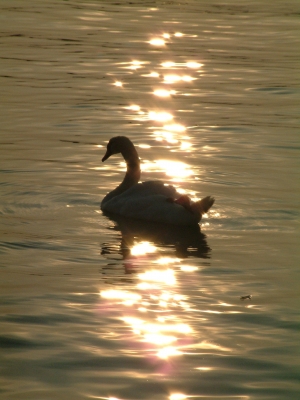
151 200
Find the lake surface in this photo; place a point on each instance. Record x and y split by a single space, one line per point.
98 308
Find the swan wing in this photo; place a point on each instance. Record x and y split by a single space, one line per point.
151 188
154 207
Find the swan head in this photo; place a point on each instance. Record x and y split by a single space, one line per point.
120 144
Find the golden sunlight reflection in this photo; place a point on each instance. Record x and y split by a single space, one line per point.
159 339
160 334
168 64
178 34
142 248
177 396
164 92
174 127
205 345
185 145
152 306
173 78
167 260
167 136
187 78
103 398
175 169
118 84
125 297
188 268
157 42
134 107
168 351
163 276
144 146
160 116
194 64
152 74
172 133
135 65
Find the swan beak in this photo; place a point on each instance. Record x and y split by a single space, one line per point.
107 155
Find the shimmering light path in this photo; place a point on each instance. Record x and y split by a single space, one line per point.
98 307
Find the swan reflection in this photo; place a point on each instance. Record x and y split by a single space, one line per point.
187 241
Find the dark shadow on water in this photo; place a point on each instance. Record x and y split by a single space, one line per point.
187 241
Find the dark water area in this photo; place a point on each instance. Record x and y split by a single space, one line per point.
93 306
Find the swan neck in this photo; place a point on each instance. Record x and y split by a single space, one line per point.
132 176
133 171
132 160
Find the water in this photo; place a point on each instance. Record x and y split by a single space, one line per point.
93 308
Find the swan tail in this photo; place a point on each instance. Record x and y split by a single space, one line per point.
202 206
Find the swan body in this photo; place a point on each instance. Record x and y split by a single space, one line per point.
151 200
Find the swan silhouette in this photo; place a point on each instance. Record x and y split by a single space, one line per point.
152 200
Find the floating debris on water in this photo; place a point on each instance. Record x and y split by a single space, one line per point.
249 297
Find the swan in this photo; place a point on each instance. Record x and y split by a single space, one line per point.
151 200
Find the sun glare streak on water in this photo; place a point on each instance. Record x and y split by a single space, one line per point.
175 128
152 74
95 306
168 64
168 137
177 171
143 248
163 276
164 92
134 107
174 78
157 323
167 260
157 42
194 65
178 396
160 116
170 133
